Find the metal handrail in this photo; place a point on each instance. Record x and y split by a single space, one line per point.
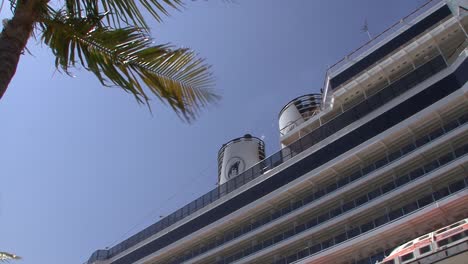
215 194
454 55
306 117
371 43
392 82
304 203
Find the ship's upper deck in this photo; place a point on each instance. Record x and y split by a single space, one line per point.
195 214
393 38
429 31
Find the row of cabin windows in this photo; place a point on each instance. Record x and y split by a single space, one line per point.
395 214
372 128
367 227
416 173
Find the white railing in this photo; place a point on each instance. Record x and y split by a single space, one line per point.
380 38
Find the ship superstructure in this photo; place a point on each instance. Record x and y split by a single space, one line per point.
376 160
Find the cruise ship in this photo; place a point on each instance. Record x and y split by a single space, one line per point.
376 160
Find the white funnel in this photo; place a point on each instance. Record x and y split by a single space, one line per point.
238 155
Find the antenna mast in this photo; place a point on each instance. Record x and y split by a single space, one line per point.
365 28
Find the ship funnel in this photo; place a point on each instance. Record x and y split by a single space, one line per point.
298 111
237 155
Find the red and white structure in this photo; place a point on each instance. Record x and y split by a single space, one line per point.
451 236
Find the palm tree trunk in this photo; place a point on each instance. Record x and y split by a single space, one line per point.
14 38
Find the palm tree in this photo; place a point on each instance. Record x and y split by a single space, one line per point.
110 38
5 256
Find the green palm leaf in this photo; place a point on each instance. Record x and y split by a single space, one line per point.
127 58
123 11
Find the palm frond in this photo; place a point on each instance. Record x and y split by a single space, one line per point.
13 4
5 256
128 58
123 11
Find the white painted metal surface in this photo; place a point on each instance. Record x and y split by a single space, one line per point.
238 155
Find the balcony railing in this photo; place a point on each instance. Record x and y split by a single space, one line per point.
401 181
410 208
384 95
353 114
386 34
345 181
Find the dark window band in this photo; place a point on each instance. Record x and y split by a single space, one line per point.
372 128
415 174
351 115
391 46
409 208
311 222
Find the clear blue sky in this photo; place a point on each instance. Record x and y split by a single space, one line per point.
81 165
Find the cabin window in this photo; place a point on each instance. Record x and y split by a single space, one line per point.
407 257
303 253
455 225
457 237
441 230
423 237
268 242
452 239
425 249
409 244
442 243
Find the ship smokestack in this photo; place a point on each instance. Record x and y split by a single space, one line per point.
297 111
237 155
